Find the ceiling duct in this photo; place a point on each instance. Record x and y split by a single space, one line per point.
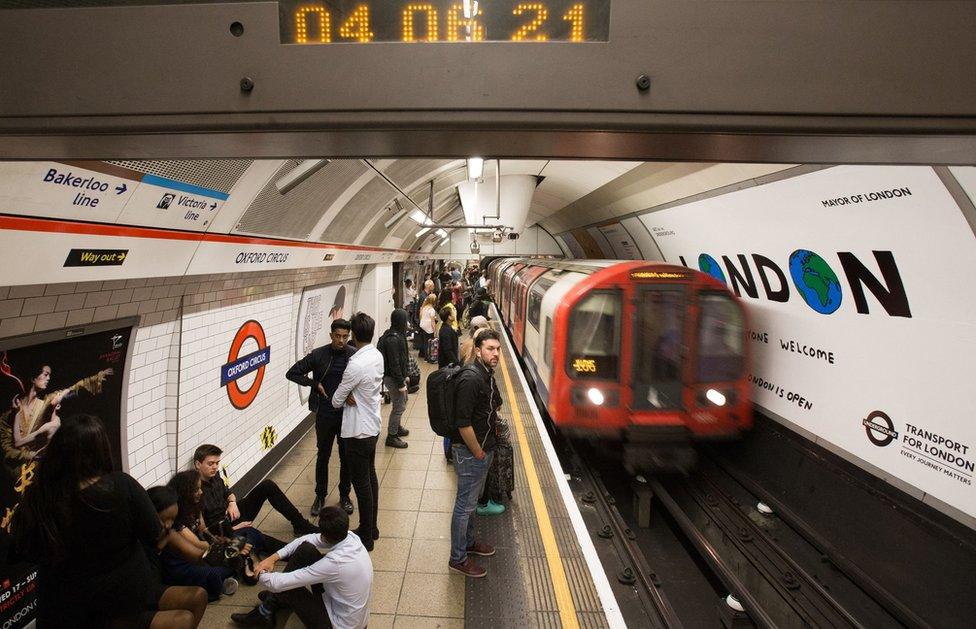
479 201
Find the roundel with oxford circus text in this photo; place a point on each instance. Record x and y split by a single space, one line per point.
238 366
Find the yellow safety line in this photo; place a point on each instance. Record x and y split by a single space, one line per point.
564 599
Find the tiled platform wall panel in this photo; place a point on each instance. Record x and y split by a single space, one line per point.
152 407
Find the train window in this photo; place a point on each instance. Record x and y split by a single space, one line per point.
720 338
658 351
594 336
547 349
535 301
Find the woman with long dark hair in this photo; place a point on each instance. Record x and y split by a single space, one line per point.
186 547
88 526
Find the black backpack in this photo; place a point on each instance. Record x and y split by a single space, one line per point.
442 399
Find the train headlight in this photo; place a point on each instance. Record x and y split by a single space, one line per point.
715 397
595 395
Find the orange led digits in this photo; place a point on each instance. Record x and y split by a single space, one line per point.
575 17
530 31
460 28
356 25
301 23
408 13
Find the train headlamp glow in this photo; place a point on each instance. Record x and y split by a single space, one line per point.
595 395
715 397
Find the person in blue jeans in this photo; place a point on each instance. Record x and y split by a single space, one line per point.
472 448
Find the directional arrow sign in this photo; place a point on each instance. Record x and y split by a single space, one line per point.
121 189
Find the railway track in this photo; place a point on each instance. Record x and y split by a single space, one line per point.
780 576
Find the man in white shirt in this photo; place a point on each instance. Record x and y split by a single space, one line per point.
341 580
360 392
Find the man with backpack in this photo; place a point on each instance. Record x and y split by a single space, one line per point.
396 368
476 403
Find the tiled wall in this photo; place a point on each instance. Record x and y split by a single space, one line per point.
158 375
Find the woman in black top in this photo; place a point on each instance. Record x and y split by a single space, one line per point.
447 340
181 559
88 526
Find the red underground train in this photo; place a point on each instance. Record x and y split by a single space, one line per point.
650 355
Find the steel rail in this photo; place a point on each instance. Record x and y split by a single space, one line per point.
804 578
860 578
728 577
649 591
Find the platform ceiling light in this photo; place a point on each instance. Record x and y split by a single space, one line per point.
420 218
595 395
441 233
300 173
423 231
476 167
715 397
393 219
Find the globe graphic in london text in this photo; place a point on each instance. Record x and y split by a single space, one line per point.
709 265
815 281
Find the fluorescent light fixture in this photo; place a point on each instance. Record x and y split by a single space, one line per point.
443 242
476 167
715 397
423 231
393 219
595 395
300 173
420 218
441 233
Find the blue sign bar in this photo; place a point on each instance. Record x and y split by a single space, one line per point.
244 365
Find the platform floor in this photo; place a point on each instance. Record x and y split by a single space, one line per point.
537 578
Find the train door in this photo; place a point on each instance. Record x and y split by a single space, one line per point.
659 347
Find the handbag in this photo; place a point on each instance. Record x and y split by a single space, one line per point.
226 554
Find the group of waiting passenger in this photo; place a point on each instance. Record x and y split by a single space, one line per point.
113 554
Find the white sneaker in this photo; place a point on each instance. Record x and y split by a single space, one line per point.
230 586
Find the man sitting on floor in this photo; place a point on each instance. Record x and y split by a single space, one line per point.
219 504
340 581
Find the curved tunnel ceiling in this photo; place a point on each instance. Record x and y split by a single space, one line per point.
347 201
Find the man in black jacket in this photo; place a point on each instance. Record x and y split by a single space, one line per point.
327 364
396 373
473 445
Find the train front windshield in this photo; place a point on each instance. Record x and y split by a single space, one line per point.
658 351
721 355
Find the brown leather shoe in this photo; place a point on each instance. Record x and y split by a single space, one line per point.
482 549
468 568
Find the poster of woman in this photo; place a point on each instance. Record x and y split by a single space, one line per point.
43 379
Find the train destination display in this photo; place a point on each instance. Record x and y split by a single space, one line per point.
341 21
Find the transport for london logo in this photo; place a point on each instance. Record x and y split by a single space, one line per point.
239 366
879 428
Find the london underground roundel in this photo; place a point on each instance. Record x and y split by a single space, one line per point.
239 366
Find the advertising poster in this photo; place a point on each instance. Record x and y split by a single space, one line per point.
574 247
320 306
624 247
861 295
40 385
591 248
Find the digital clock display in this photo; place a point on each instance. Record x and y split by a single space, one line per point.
356 21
